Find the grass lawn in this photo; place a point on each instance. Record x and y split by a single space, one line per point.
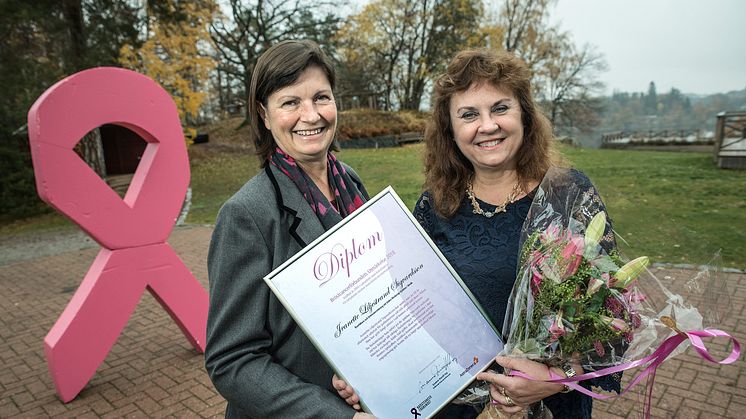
673 207
214 180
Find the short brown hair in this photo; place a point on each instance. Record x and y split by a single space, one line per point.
447 170
279 66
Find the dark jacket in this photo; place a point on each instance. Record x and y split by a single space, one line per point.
256 355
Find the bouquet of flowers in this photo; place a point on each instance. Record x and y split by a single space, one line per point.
580 302
576 300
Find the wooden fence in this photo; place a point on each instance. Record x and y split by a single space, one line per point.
621 139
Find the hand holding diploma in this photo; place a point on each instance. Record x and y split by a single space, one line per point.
346 392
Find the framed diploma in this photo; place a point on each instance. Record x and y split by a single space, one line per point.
387 311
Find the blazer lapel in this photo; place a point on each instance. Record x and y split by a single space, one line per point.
306 226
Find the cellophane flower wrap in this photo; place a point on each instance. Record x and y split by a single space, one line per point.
576 299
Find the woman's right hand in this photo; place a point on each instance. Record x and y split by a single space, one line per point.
512 394
346 392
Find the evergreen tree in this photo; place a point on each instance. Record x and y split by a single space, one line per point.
42 42
651 100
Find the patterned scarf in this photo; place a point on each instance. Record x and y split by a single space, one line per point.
348 198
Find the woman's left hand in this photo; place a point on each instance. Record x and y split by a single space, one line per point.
513 394
346 392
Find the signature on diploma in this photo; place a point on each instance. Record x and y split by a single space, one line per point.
438 368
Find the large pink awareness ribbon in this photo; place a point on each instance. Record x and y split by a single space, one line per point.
652 361
132 231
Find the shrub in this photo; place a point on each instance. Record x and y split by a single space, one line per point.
366 123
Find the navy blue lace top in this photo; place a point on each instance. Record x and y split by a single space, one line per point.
484 252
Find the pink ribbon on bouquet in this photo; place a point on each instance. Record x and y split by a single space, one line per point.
654 360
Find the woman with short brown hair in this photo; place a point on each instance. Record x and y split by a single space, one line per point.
256 355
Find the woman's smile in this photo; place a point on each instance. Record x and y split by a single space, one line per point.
491 143
309 132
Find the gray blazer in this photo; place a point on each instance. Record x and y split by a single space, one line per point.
256 355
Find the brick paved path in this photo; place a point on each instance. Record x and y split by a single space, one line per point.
152 371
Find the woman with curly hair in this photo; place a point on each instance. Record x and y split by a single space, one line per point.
487 149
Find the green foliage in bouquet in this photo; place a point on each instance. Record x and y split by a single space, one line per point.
578 299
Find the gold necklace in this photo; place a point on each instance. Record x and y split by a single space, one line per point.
476 209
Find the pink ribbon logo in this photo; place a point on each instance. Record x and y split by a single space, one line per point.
132 231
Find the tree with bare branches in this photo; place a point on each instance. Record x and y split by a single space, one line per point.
396 47
570 84
247 28
565 78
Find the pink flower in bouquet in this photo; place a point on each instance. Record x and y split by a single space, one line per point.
545 266
636 320
599 347
614 305
634 297
551 234
616 324
557 329
573 255
537 260
535 282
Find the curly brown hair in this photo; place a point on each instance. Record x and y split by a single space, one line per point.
447 170
280 66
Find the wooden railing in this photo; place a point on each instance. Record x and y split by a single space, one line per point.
649 137
730 140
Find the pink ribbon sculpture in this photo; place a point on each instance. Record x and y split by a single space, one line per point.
133 231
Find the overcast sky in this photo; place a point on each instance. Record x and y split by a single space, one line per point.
697 46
